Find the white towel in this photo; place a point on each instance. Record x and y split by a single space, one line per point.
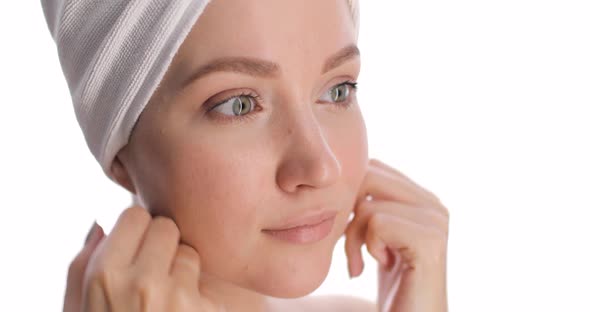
114 54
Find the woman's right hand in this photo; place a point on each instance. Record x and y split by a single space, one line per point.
140 266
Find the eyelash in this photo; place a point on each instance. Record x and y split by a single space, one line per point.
346 104
341 105
240 118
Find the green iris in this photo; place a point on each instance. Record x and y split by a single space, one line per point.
241 105
339 93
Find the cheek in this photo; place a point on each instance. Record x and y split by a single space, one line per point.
219 197
213 195
350 146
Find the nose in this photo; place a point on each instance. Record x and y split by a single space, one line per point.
308 160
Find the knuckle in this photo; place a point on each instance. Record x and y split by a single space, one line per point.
370 236
187 251
375 221
364 209
99 278
168 226
189 255
143 283
362 206
137 213
181 298
409 255
146 288
76 265
370 242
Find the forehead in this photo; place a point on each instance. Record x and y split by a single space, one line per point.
298 35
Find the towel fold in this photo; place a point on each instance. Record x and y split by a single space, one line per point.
114 54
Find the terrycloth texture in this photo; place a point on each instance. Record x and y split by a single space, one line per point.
114 54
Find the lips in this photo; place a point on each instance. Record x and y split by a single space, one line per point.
304 230
306 220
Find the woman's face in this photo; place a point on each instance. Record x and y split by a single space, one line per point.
296 143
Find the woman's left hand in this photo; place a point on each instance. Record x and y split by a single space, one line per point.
405 228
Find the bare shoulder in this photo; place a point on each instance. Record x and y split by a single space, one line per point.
340 303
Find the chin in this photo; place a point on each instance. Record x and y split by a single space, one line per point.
294 276
294 285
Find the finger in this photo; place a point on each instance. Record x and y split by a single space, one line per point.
159 246
77 268
426 192
387 233
379 164
379 182
381 248
425 216
355 237
354 240
94 298
355 233
122 244
186 267
381 185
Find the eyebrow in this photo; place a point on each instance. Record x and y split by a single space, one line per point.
262 68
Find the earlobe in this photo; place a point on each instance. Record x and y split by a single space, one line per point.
121 175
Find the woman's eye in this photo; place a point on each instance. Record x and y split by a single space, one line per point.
235 106
242 105
339 93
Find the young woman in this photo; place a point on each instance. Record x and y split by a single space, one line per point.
246 161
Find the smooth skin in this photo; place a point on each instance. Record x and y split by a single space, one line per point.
400 222
210 178
401 219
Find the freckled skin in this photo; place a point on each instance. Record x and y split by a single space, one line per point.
222 183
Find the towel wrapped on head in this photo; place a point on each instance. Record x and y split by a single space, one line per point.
114 53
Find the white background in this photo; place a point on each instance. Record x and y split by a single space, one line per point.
485 103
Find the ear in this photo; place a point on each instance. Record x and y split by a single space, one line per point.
121 175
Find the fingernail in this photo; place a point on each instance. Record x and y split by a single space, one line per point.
92 233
